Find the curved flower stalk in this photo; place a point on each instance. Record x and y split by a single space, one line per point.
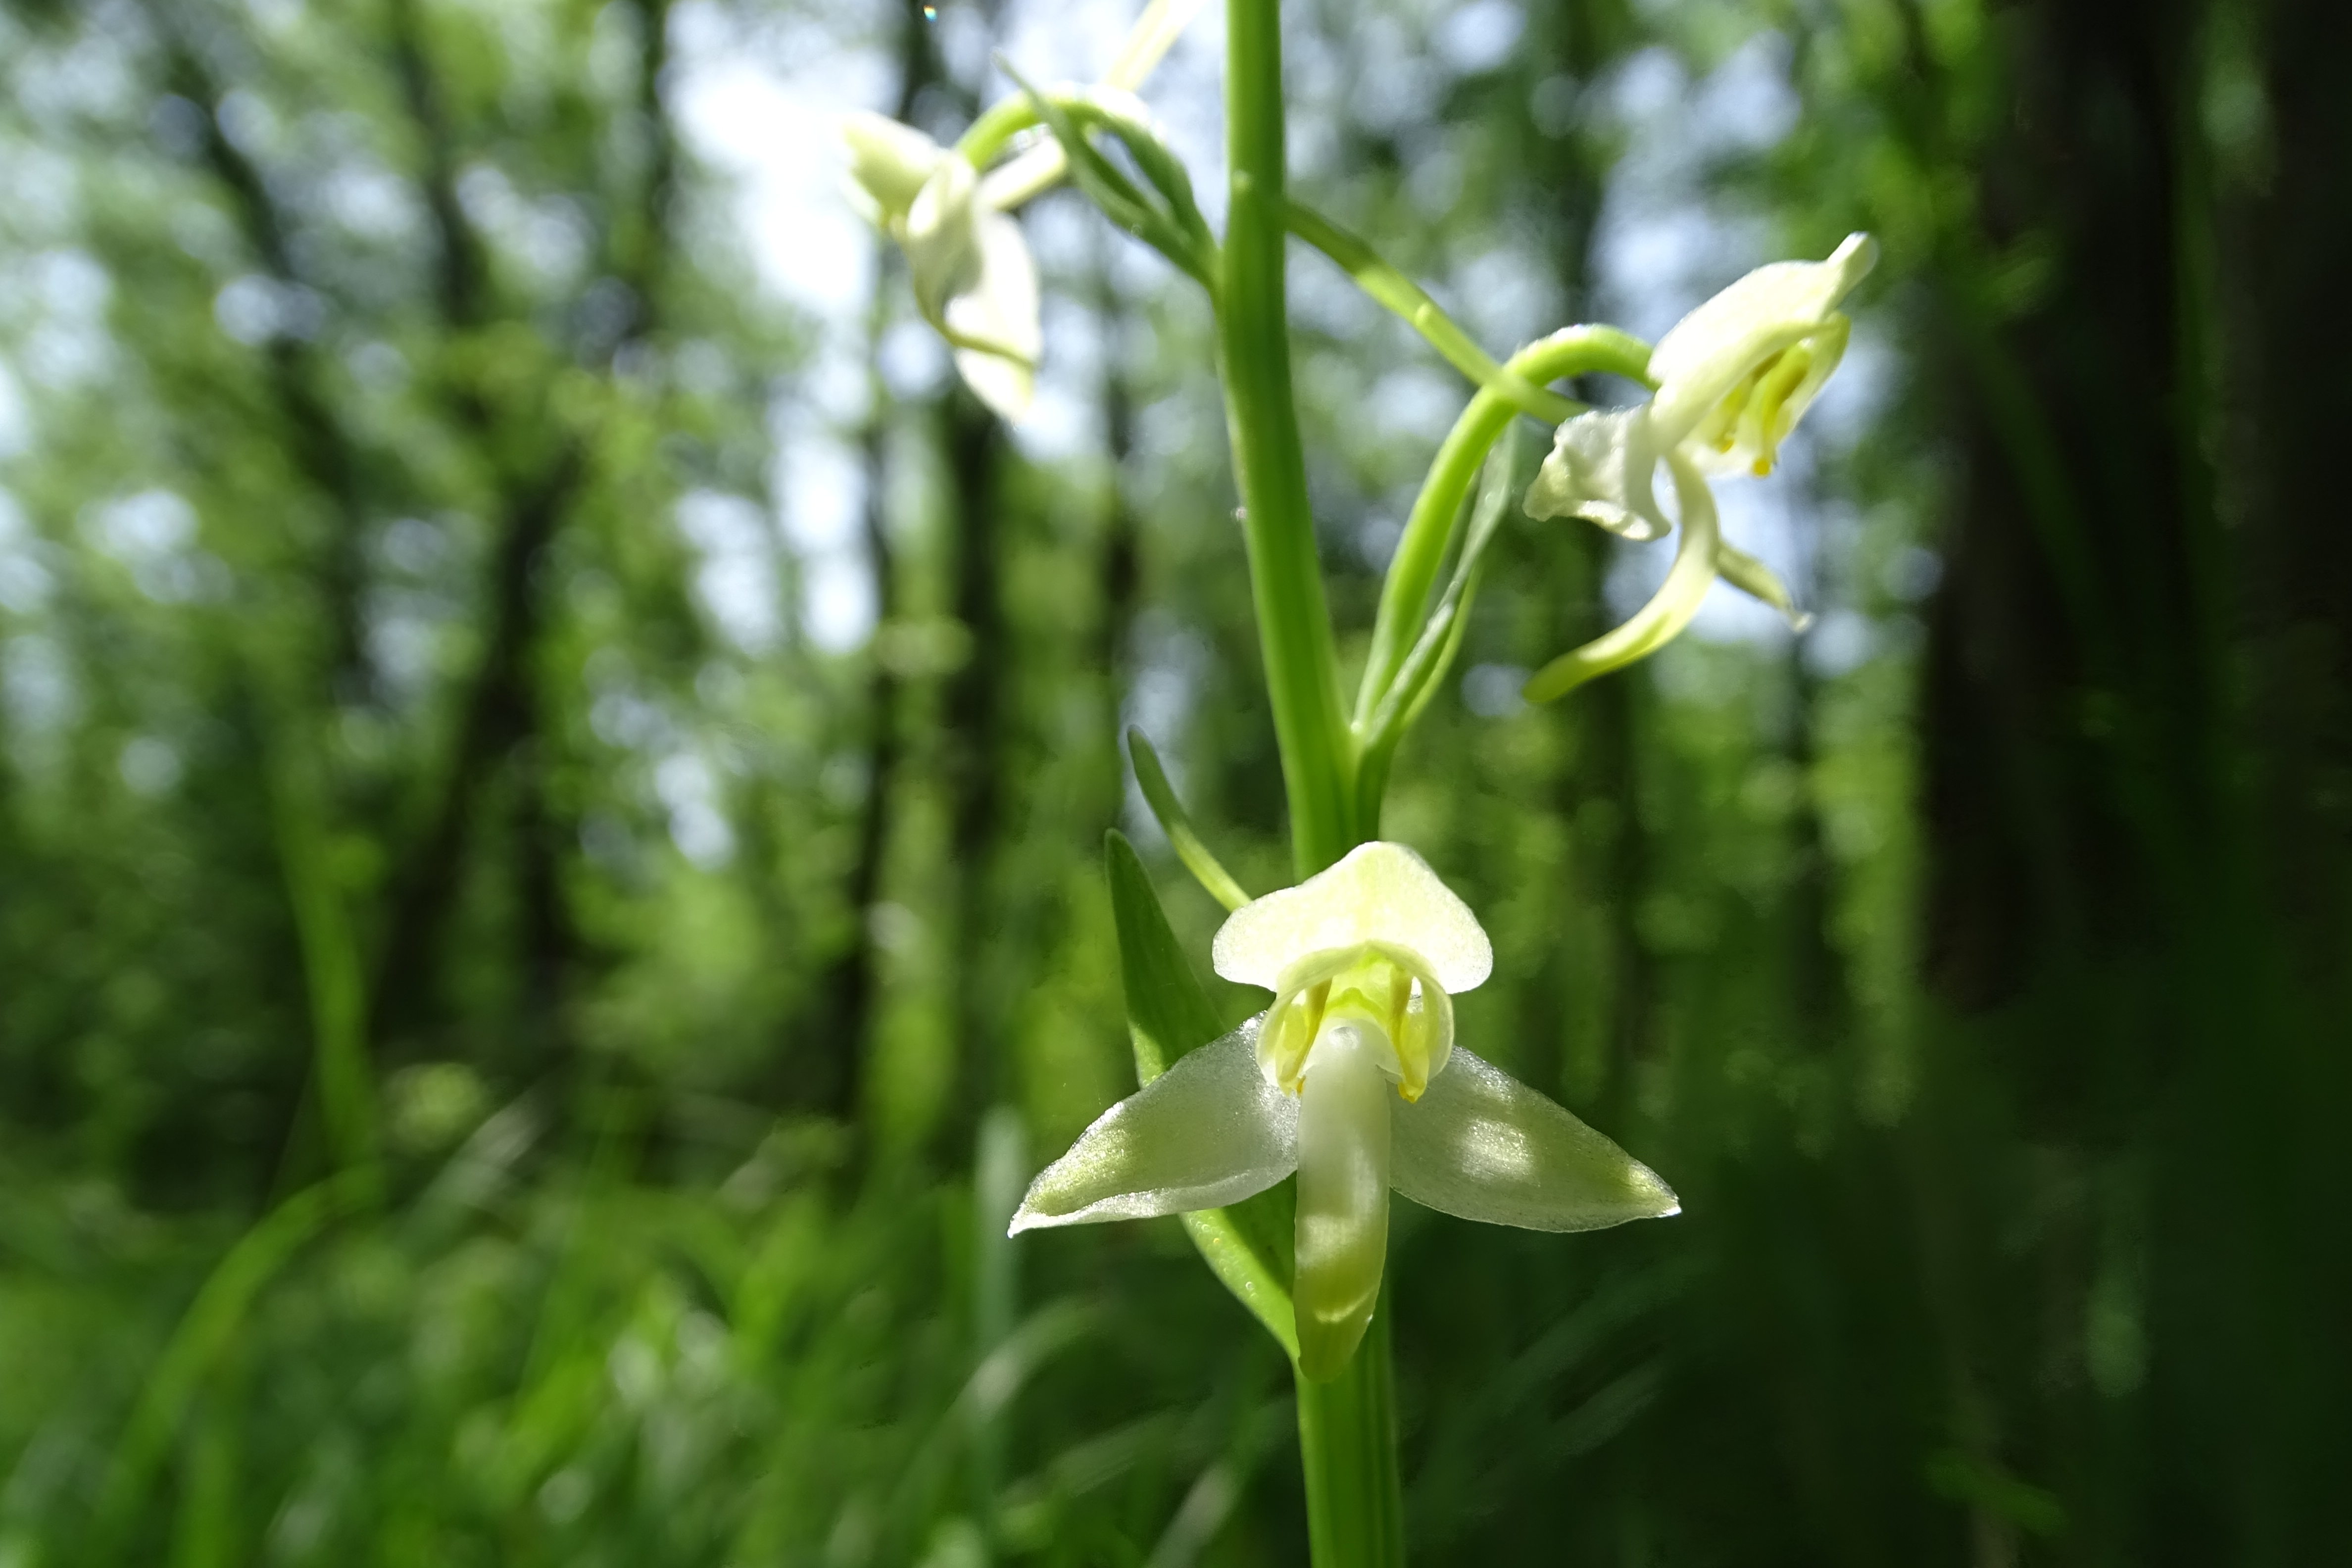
1353 1080
1733 378
975 281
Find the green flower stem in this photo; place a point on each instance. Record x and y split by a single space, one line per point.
988 136
1254 342
1346 1443
1347 1426
1413 570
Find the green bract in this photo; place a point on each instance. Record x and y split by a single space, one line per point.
1733 378
1353 1081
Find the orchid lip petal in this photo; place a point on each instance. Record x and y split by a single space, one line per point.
1670 609
994 324
1342 1226
976 282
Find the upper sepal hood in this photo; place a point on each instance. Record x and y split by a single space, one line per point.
1376 938
1739 372
1379 894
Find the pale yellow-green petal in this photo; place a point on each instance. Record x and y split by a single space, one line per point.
1025 176
1208 1131
1600 470
1154 33
1742 436
1481 1145
1290 1027
942 237
1380 894
889 162
1428 1042
994 324
975 281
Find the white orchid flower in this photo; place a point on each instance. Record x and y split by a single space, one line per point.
1733 378
975 280
1352 1079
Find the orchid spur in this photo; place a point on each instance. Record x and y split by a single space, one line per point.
1352 1079
1733 378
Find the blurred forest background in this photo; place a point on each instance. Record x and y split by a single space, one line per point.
555 767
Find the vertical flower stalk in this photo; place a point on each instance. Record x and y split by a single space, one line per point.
1254 344
1347 1425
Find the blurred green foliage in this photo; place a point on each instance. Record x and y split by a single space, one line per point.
508 1057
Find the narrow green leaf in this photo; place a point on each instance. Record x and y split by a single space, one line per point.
205 1333
1389 288
1123 115
1174 822
341 1073
1245 1245
1168 1014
